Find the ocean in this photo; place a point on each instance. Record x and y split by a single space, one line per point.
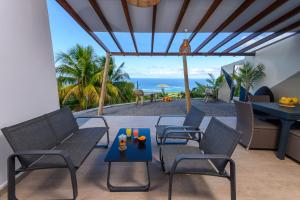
174 85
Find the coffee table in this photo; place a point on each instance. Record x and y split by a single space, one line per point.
133 153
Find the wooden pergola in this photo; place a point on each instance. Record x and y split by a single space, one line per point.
279 18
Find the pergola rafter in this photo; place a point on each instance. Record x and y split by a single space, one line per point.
272 36
103 19
153 26
178 54
129 23
265 28
83 12
178 22
79 20
251 22
230 19
201 23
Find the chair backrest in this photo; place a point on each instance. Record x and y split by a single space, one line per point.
194 118
259 98
219 139
245 121
35 134
62 122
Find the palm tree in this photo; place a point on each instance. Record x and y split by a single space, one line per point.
248 76
214 83
118 89
80 72
75 76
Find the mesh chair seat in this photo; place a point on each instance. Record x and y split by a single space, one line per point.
169 153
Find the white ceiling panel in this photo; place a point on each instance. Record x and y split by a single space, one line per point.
168 11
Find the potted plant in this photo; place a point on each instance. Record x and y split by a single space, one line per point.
247 77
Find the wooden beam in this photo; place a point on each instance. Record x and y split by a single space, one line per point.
251 22
77 18
153 26
295 33
127 15
270 37
186 84
230 19
204 19
103 85
264 29
178 54
178 22
103 19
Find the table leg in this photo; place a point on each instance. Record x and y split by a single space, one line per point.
144 188
283 140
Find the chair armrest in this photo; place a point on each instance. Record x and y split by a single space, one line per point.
187 132
175 128
182 157
166 116
90 117
60 153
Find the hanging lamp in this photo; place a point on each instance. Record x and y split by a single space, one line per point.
143 3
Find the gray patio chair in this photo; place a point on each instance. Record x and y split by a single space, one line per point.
255 133
190 127
216 147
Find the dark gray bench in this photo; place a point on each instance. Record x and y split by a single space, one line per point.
53 140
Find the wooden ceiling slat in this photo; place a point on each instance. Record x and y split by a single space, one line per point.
127 15
178 54
251 22
77 18
153 27
178 22
230 19
270 37
103 19
204 19
264 29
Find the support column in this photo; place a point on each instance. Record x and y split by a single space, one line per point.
186 84
103 85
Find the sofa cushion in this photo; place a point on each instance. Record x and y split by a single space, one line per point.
35 134
63 123
77 151
93 135
262 124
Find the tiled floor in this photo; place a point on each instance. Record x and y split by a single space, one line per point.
260 175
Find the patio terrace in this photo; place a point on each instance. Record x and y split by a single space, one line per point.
260 175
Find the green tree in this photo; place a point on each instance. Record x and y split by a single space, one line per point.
79 75
214 83
248 76
198 91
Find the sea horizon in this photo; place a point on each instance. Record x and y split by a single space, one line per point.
174 84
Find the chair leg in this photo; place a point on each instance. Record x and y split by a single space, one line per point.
170 186
11 173
162 165
74 183
232 181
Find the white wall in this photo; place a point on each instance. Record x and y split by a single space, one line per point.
27 73
281 60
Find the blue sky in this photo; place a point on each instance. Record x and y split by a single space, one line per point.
66 33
